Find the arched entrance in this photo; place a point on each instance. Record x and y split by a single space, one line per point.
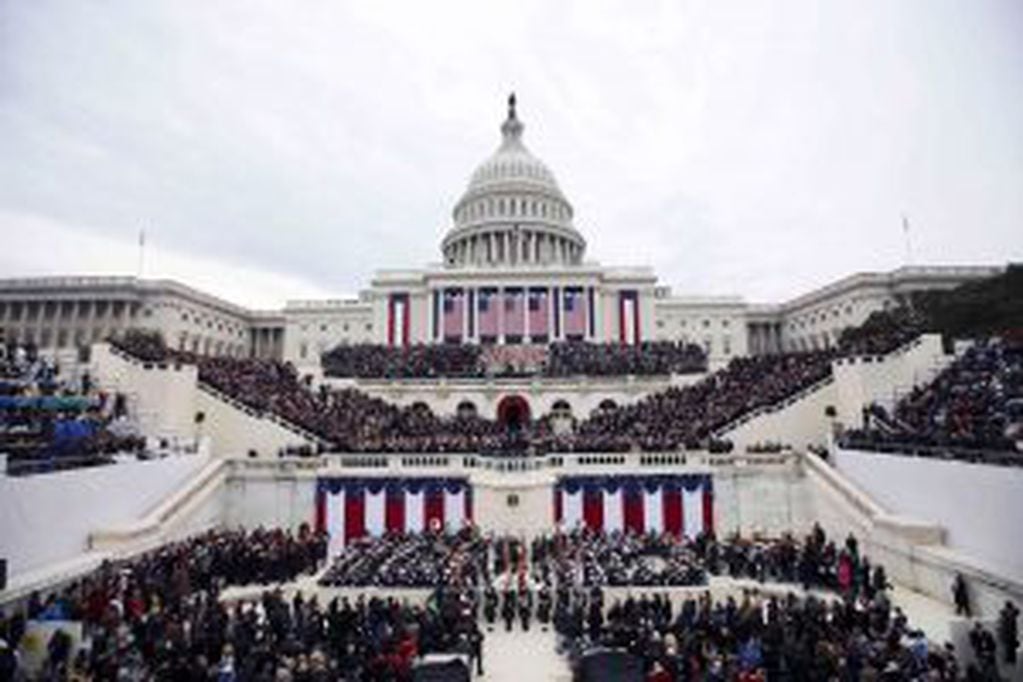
466 410
513 412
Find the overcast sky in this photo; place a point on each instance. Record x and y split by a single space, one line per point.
282 150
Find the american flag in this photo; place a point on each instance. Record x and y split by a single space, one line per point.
453 313
575 312
488 312
514 313
539 311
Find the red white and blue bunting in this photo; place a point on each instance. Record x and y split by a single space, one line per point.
679 505
351 508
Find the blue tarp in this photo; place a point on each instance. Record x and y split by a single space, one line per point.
45 402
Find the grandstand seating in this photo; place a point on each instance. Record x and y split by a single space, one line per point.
974 406
48 424
561 359
352 421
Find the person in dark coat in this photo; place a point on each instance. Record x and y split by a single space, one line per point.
508 609
1008 632
476 641
961 596
490 605
525 608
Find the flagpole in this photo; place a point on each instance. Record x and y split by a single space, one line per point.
142 252
909 244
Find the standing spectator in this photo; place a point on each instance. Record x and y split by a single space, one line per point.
1008 631
984 650
961 596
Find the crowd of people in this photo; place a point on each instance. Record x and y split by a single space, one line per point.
648 358
352 421
688 416
583 558
854 634
586 558
882 332
679 417
157 616
52 422
560 581
557 359
756 638
416 361
163 616
974 406
412 560
976 403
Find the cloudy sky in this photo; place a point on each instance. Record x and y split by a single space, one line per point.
281 150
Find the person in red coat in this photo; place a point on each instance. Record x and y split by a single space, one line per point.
658 674
845 572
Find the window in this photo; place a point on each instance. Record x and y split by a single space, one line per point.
303 350
706 324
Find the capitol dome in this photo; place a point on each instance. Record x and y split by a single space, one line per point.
513 213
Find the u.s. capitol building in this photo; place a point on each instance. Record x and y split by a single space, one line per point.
514 271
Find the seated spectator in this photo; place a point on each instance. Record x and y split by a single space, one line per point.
689 416
412 560
974 406
882 332
610 359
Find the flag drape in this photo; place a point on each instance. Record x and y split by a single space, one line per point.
675 504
